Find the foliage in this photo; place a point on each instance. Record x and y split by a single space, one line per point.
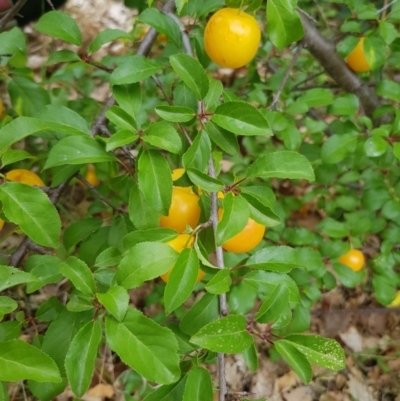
313 151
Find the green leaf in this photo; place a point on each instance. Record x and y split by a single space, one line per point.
324 352
79 274
156 345
201 313
61 26
241 118
27 96
375 146
121 138
199 153
151 235
284 24
143 215
317 97
81 357
78 231
284 164
121 118
220 283
31 209
129 98
164 136
226 140
192 74
228 335
14 155
235 217
7 305
62 56
389 90
46 268
175 114
204 181
155 181
280 259
348 277
134 69
22 361
181 280
109 257
251 358
77 150
267 282
10 276
333 228
296 359
13 42
259 211
214 93
337 147
199 386
384 289
116 301
273 306
108 35
163 24
145 261
64 120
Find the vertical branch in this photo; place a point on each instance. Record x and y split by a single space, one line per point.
11 13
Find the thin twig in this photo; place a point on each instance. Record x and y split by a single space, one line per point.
12 13
97 194
386 7
185 37
286 77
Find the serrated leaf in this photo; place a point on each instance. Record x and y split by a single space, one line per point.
228 335
181 280
226 140
156 345
235 216
284 25
116 301
198 154
79 274
154 234
145 261
78 231
109 257
62 56
108 35
175 114
199 386
134 69
10 276
337 147
155 181
266 282
121 138
121 118
61 26
201 313
192 74
163 24
284 164
77 150
129 97
241 118
31 209
7 305
259 212
323 352
15 155
280 259
22 361
295 359
163 136
272 308
81 357
204 181
220 283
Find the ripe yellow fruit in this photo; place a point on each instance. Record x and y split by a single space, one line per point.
354 259
245 241
396 301
357 60
179 244
91 176
232 37
25 177
177 173
184 210
2 222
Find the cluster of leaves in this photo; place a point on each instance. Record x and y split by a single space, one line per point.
191 122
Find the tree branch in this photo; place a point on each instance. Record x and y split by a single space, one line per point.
13 11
